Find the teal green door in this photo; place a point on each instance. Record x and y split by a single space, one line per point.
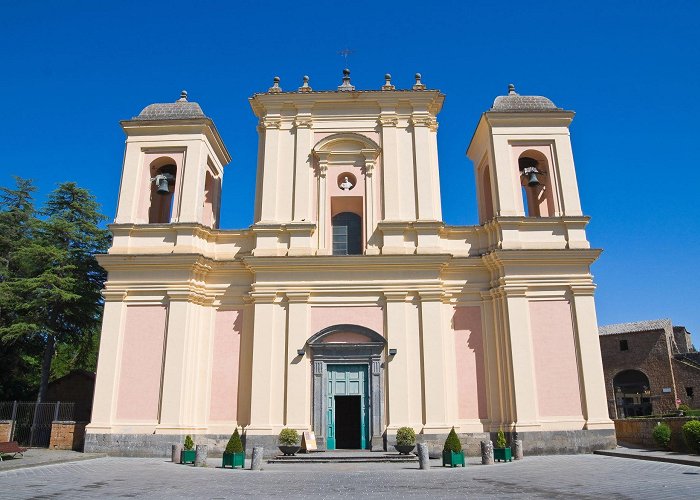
347 381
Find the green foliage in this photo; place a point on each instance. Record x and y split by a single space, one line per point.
684 407
50 281
662 434
452 442
288 437
691 433
405 436
234 444
501 439
189 444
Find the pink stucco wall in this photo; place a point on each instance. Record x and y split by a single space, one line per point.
224 372
142 362
558 392
368 316
469 353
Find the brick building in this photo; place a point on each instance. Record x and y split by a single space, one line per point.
650 367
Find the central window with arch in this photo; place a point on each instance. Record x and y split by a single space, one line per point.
347 234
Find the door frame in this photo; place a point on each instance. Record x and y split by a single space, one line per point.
365 441
357 353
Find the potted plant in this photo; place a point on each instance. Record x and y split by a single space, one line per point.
187 455
405 440
452 453
288 441
234 454
501 451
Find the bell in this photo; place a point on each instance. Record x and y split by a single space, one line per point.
162 183
532 179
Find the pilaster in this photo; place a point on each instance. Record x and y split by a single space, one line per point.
426 173
298 383
324 216
590 364
390 163
433 342
371 246
105 401
263 383
303 168
271 123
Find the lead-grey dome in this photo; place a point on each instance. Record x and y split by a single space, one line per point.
181 109
514 102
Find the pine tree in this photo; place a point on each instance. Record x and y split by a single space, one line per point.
54 294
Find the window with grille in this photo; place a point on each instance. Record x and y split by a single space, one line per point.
347 234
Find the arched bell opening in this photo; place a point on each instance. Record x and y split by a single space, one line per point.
536 184
348 387
162 186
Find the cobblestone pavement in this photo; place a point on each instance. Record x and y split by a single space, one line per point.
552 477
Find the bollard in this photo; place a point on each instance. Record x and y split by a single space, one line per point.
486 453
423 458
200 457
257 458
518 449
176 453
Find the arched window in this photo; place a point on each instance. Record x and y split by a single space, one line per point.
347 234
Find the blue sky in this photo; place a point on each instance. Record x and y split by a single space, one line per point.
72 69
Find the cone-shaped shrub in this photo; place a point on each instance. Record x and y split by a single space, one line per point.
452 442
189 444
501 439
234 444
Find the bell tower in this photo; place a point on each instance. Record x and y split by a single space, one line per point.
523 161
173 166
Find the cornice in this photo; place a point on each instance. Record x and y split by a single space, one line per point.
345 262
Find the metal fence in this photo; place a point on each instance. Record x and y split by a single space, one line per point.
31 421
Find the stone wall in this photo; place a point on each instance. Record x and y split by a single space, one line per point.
67 435
5 430
687 376
649 353
638 431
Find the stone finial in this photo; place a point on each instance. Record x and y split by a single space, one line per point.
345 86
387 83
183 96
275 89
511 89
305 86
419 85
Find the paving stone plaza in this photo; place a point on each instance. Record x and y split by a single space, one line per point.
571 476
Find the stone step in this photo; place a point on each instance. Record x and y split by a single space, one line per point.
319 458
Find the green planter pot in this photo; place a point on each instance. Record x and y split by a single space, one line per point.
187 456
453 459
234 460
502 454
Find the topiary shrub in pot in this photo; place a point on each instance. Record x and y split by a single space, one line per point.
234 454
452 453
691 433
187 455
405 440
501 451
662 435
288 441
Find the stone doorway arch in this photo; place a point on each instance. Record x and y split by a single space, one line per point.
347 344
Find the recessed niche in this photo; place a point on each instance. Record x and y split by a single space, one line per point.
347 181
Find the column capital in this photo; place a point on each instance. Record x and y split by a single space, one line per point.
432 295
583 290
303 122
395 296
297 297
114 295
263 297
270 123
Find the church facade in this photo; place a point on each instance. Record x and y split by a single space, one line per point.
349 308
